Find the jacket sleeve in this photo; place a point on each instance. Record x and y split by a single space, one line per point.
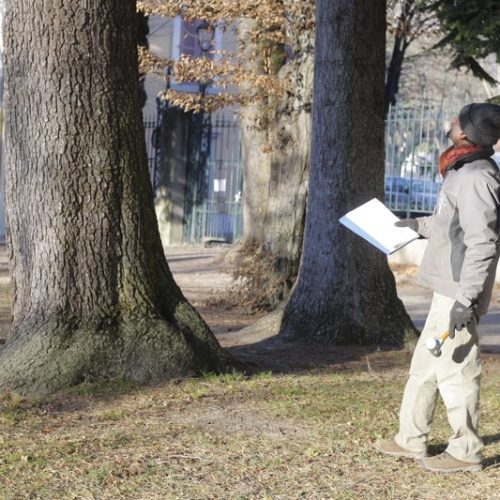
424 226
478 204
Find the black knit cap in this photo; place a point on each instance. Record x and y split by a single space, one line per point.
481 123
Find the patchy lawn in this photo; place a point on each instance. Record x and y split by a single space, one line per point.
303 427
287 435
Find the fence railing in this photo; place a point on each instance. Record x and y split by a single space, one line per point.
150 131
414 139
218 221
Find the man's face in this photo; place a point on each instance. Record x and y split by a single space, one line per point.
456 134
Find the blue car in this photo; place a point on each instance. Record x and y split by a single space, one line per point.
397 193
424 195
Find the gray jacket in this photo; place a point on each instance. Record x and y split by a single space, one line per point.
463 248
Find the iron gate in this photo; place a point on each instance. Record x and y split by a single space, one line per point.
213 208
151 127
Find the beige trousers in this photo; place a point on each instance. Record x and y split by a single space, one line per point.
456 375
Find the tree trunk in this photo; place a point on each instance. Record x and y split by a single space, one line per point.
394 71
275 167
92 293
345 291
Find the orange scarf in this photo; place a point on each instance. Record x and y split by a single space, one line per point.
455 153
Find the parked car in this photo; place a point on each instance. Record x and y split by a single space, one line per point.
397 193
424 195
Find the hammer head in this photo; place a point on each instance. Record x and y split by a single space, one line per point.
434 346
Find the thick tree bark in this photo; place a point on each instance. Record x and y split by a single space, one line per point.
275 166
345 291
92 292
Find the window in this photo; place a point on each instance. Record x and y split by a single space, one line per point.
189 40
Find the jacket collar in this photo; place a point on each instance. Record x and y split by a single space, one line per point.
457 156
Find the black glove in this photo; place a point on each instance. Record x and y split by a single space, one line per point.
411 223
460 317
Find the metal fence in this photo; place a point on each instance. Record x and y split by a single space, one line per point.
214 178
213 223
414 139
218 214
150 132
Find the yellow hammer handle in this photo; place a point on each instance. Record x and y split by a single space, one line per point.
444 336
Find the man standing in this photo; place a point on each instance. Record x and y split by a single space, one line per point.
459 266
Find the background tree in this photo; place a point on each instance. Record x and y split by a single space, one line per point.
273 76
345 291
407 20
92 292
275 137
471 28
142 41
235 82
467 32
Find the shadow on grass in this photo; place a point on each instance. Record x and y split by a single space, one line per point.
279 356
493 461
73 399
492 439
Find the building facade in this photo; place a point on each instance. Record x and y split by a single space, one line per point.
194 157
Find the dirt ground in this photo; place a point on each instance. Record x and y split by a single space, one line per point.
204 278
203 274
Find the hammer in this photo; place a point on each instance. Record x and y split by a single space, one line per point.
434 345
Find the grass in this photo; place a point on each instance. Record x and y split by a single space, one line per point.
274 436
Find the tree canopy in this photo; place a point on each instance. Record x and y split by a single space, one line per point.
471 28
273 24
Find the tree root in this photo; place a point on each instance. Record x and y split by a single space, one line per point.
42 360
